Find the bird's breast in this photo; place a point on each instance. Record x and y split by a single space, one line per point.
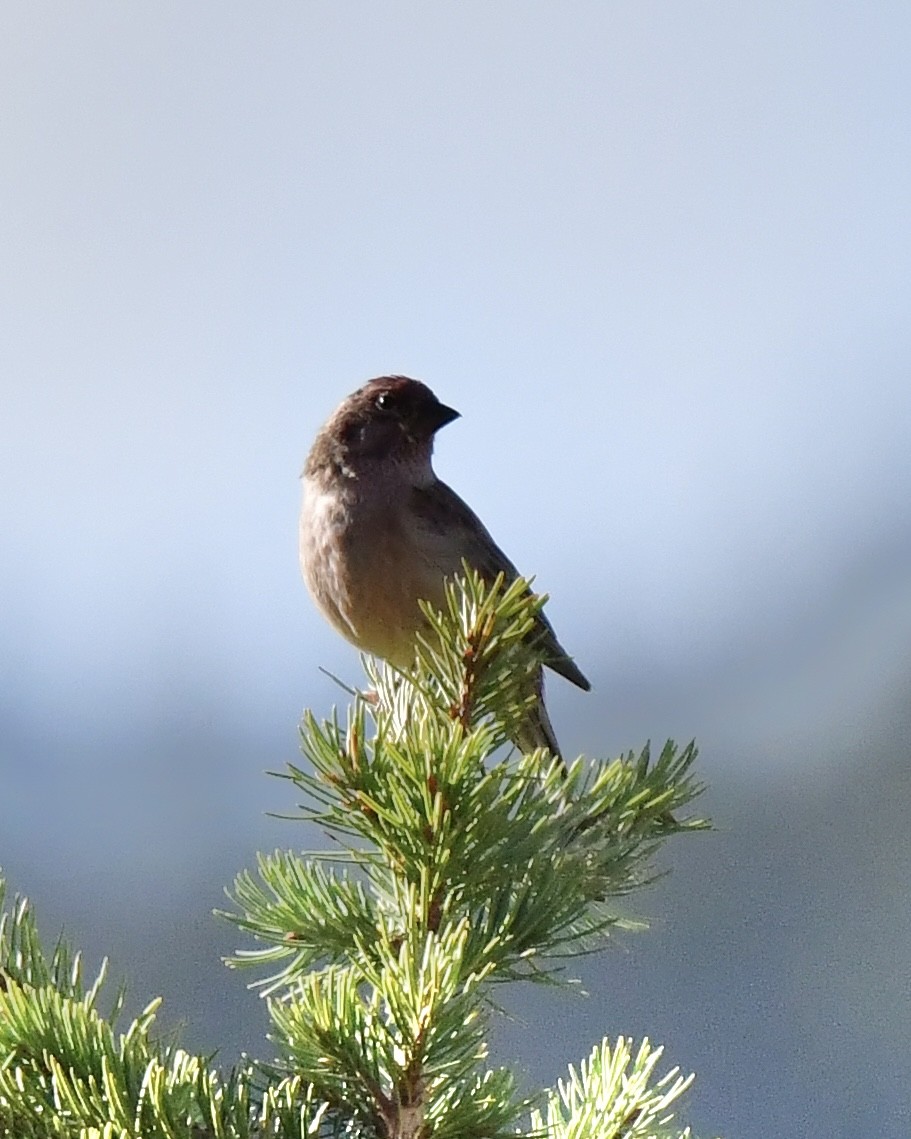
363 562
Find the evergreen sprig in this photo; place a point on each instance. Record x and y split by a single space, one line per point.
451 870
615 1093
65 1073
455 866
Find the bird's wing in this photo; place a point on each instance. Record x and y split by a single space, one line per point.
453 531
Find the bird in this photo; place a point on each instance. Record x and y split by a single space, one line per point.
379 531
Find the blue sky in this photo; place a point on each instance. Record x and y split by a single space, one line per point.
657 255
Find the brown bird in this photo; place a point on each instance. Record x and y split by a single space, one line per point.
379 531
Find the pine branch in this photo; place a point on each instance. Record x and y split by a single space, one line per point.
457 866
450 873
615 1095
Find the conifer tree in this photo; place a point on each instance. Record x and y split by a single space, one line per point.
455 867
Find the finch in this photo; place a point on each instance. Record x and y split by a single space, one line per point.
379 532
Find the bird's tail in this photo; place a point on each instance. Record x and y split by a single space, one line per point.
536 730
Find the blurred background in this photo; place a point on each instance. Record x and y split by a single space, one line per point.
658 256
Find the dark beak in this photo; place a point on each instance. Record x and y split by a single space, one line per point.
439 415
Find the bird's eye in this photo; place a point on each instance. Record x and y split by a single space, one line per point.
384 401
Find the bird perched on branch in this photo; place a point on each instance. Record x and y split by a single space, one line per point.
379 532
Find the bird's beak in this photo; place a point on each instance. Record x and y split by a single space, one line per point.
440 415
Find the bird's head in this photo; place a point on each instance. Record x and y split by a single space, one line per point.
391 418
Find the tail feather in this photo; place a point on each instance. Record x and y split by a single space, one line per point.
536 730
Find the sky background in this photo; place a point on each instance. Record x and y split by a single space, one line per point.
658 256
